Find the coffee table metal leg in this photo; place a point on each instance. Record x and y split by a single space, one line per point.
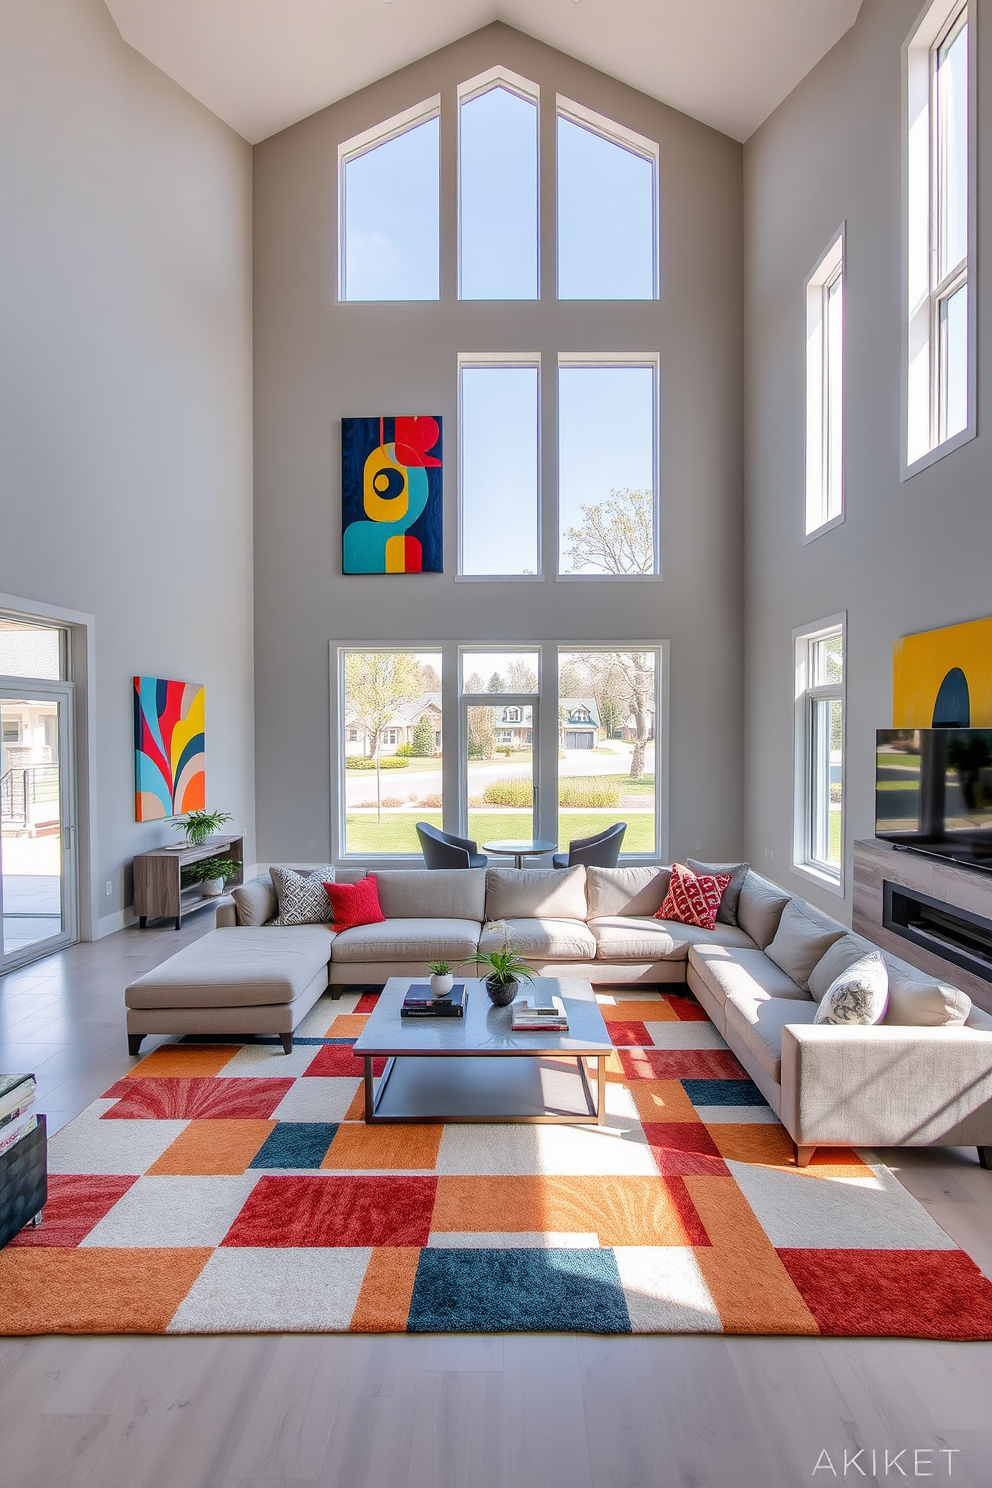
369 1093
601 1090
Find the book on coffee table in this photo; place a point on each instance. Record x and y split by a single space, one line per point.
540 1015
418 1002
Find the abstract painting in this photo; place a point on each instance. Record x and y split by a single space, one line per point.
169 774
943 678
391 495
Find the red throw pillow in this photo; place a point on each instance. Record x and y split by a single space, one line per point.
355 904
693 898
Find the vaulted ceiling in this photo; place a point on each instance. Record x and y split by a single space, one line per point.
263 64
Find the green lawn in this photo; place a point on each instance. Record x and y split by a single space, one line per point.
397 831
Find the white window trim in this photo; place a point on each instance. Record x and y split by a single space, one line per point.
615 359
484 82
629 139
493 360
917 222
831 266
361 144
802 639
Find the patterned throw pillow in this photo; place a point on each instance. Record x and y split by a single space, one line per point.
302 897
859 995
693 899
356 904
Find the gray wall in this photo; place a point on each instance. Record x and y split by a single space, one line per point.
316 360
125 413
910 555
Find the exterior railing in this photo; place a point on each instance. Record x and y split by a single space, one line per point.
22 788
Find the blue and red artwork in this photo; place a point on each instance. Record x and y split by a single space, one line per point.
169 774
391 495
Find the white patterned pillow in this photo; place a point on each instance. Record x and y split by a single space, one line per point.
859 995
301 897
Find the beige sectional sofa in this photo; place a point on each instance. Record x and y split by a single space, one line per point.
923 1077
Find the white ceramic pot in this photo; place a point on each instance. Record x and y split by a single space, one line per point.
212 888
441 985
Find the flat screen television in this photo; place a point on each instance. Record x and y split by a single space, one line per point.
933 792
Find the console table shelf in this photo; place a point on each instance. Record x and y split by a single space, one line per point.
158 891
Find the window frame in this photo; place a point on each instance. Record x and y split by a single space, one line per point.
485 82
924 294
807 695
605 360
493 361
830 270
363 144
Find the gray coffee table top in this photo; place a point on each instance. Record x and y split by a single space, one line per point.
485 1029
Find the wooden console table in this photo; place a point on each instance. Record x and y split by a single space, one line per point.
158 890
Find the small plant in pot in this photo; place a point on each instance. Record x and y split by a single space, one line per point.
441 979
199 825
211 874
506 968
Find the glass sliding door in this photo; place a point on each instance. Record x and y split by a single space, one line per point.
37 881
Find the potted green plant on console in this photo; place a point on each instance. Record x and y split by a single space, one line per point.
199 825
211 874
506 968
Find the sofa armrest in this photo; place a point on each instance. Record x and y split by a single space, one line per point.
227 914
887 1086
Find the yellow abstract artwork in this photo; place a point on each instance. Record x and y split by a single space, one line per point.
943 678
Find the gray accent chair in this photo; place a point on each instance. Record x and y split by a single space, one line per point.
602 850
442 850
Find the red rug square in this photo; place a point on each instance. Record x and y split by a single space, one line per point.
195 1100
683 1148
330 1211
367 1002
688 1213
337 1060
893 1293
76 1202
680 1064
687 1011
626 1034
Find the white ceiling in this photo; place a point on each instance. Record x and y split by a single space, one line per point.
264 64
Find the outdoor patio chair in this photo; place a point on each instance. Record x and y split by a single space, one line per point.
599 851
442 850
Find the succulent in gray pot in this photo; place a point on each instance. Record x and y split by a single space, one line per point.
506 968
211 874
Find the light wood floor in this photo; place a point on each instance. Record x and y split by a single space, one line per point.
514 1411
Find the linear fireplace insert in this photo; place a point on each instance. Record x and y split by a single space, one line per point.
943 929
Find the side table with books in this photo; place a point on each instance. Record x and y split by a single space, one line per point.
23 1156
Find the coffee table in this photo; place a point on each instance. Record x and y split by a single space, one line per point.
520 849
477 1069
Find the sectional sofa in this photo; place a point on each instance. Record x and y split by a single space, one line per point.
923 1077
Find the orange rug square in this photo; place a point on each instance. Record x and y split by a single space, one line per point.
208 1147
408 1148
95 1291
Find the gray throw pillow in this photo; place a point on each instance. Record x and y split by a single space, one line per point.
302 897
255 901
727 913
859 995
800 941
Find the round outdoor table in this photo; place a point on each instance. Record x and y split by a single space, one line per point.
518 850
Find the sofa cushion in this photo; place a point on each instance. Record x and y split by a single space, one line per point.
409 938
635 938
355 904
626 891
727 913
693 899
757 1020
727 969
544 937
837 958
255 902
917 1001
858 995
800 940
236 967
433 893
302 897
536 893
759 908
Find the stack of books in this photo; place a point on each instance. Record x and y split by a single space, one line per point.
418 1002
540 1015
16 1116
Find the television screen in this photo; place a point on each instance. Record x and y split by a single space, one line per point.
933 789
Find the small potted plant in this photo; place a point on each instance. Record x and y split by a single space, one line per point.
212 874
506 968
441 979
199 825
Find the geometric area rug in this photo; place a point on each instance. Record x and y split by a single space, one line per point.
227 1187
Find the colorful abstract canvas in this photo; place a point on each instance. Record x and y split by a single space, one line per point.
942 678
391 495
169 773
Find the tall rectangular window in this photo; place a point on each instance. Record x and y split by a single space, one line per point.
607 462
390 744
497 189
390 246
825 390
820 750
499 458
940 329
607 209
